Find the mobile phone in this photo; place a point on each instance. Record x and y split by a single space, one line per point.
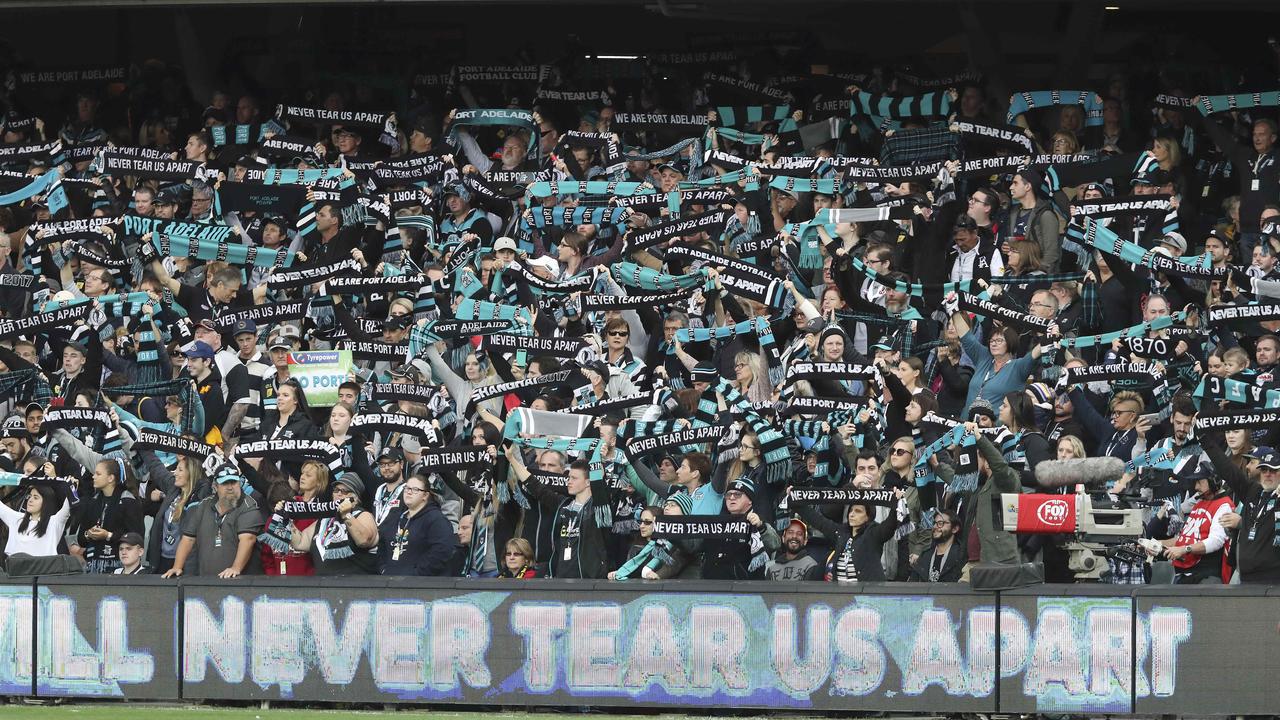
1151 418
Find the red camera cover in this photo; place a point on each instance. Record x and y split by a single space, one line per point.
1046 513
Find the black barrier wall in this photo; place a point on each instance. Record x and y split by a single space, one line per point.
889 647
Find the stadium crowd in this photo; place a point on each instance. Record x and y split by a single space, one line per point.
792 327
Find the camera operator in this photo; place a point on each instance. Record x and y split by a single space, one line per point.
1196 552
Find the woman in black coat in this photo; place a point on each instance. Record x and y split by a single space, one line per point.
857 543
111 511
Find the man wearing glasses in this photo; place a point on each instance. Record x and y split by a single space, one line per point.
944 561
387 497
983 203
416 538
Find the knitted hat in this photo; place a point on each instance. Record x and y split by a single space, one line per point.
14 427
1041 395
681 498
351 481
833 329
743 485
1102 187
981 407
705 372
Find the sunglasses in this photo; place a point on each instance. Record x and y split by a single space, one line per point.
645 522
618 333
901 451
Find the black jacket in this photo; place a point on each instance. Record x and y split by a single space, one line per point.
865 548
1253 542
575 531
952 564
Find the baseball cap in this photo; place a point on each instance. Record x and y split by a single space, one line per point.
546 262
1270 460
407 370
245 326
131 538
814 326
398 322
390 453
427 125
1194 469
504 243
276 220
199 349
279 342
208 324
227 474
167 196
804 527
964 222
599 367
457 188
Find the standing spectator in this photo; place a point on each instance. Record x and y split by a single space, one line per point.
104 517
37 529
858 543
578 542
222 531
416 538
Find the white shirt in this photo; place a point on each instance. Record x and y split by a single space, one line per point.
962 268
29 542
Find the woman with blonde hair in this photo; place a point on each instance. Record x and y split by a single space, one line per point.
1071 447
751 376
279 555
517 560
1168 153
1064 143
170 494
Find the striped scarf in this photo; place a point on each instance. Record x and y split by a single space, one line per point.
773 445
1020 103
